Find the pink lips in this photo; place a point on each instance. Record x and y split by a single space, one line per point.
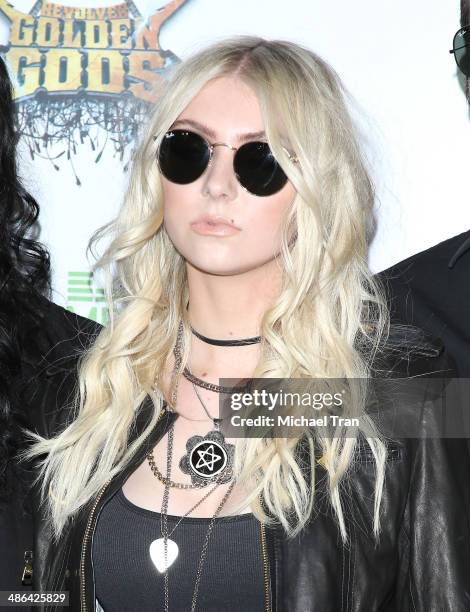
208 225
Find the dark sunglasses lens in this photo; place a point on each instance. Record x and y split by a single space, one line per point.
183 156
257 169
462 50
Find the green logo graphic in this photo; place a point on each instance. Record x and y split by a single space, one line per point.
85 298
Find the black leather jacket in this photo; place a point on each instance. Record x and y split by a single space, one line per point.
421 561
49 341
431 290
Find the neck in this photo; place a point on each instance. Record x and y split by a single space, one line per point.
229 307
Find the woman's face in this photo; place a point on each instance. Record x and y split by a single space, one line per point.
226 110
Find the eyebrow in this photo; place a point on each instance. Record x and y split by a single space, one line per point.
207 131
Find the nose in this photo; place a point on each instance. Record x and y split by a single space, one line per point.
219 179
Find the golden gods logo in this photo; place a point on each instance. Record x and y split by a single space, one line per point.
78 69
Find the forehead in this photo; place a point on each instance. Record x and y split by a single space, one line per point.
227 106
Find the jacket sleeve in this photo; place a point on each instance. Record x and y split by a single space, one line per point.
428 419
435 531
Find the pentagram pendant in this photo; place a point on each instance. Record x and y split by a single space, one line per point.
157 553
209 458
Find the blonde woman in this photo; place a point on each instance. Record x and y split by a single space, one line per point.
240 251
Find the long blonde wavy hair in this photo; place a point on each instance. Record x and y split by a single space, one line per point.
328 320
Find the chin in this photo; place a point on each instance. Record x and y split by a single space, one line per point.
217 270
228 267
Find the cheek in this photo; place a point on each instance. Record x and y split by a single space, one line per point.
266 218
175 197
178 206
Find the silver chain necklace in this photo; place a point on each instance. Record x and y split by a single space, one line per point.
169 546
209 456
175 485
165 545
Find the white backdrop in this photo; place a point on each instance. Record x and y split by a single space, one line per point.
393 57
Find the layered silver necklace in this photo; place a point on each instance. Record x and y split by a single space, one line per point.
208 459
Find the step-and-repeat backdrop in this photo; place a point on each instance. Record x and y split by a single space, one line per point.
84 74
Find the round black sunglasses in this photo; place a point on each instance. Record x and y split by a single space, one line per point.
461 49
183 157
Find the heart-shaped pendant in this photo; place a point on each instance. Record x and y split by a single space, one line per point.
157 553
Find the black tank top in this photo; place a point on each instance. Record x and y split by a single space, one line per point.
126 579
